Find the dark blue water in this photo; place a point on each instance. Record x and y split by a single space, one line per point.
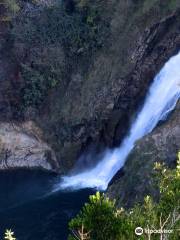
31 211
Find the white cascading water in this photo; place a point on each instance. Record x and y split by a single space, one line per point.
160 101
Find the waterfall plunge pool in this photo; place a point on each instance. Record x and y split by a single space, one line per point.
31 212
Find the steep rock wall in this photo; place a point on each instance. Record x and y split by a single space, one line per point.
136 179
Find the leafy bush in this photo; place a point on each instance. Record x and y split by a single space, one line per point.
34 88
100 220
99 210
9 8
12 5
78 32
36 85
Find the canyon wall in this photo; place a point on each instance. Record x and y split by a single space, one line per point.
83 90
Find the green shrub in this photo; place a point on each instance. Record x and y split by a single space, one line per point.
9 8
79 32
12 6
37 83
99 210
34 87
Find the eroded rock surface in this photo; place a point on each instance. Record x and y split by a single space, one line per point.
21 146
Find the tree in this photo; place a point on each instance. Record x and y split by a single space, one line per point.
99 210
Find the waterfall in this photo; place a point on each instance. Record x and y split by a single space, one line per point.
160 101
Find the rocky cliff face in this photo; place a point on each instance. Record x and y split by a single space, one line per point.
136 179
21 146
100 98
82 89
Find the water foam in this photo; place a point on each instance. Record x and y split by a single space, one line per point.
160 101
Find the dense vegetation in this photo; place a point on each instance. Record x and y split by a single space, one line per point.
76 30
48 39
101 220
52 37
